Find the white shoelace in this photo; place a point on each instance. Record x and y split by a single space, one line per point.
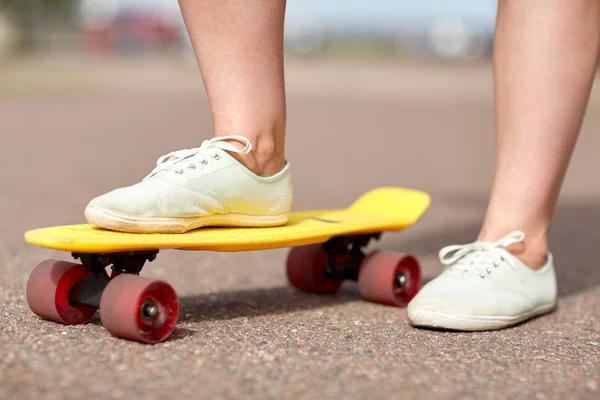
485 255
173 159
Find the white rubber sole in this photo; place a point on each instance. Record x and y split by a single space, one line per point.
461 322
107 220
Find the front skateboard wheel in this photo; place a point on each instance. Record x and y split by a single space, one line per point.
139 308
48 289
389 278
306 270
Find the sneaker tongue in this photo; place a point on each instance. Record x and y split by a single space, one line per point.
223 143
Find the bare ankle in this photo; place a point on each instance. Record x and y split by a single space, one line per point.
267 156
532 251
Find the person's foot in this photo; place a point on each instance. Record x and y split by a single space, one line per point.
194 188
484 287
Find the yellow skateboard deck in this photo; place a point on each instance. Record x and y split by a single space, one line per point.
327 250
382 209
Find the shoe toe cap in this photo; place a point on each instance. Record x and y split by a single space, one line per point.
125 202
156 199
450 296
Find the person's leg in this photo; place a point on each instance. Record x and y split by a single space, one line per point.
545 62
239 48
545 58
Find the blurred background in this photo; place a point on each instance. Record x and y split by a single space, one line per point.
439 29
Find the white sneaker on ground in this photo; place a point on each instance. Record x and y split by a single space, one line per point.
484 287
193 188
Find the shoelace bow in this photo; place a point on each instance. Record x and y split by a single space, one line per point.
173 159
485 252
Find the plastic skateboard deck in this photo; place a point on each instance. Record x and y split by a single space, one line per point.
327 249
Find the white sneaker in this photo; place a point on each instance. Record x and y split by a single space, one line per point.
193 188
484 287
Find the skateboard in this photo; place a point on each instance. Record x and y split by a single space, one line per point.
327 248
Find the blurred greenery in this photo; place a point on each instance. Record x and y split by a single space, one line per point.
27 15
50 4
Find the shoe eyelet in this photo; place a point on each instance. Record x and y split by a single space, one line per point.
489 270
192 166
216 156
495 264
482 276
204 161
179 171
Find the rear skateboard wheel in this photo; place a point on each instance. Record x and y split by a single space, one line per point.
48 289
139 308
389 278
306 270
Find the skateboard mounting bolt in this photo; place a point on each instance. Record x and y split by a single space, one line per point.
148 310
401 279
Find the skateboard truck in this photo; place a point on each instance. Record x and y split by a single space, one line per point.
88 291
346 255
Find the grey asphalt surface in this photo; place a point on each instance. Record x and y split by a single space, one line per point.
70 131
